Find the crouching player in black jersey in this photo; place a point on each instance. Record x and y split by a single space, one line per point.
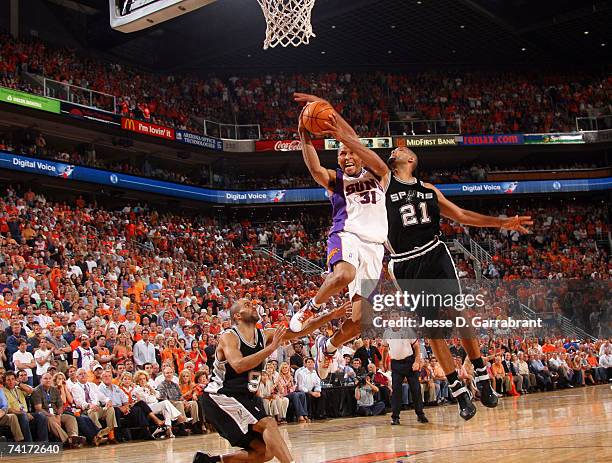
413 212
229 399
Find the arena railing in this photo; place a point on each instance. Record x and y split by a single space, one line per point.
587 124
232 131
459 247
79 95
424 127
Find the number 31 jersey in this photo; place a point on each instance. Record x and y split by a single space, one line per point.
359 206
413 214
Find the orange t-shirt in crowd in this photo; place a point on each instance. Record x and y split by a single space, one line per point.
547 348
102 312
216 329
6 310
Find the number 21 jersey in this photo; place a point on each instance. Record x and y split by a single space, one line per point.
413 214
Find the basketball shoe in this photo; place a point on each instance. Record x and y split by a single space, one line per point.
467 409
300 318
488 397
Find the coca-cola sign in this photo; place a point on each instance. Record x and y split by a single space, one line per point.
284 145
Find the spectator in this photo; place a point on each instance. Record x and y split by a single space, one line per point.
127 387
428 385
143 391
364 394
83 355
296 361
512 373
42 357
9 419
85 395
85 425
169 390
46 400
18 406
368 354
440 380
144 351
61 348
307 380
24 360
605 362
286 387
110 396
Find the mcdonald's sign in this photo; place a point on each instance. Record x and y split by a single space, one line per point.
147 128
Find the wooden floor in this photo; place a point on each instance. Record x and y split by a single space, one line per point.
571 425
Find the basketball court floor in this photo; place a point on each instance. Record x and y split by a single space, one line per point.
571 425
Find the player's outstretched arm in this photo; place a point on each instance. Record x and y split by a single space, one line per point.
324 177
343 132
231 350
452 211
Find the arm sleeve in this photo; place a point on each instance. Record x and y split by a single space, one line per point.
317 383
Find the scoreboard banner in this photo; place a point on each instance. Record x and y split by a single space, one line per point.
146 128
285 145
91 114
525 187
426 141
496 139
28 100
292 195
202 141
554 138
371 142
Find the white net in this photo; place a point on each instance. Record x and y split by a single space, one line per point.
288 22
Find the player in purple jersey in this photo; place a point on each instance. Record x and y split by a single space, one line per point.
359 230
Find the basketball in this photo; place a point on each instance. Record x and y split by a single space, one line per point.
315 115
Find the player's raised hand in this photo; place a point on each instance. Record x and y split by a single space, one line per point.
307 98
338 130
341 311
277 339
517 223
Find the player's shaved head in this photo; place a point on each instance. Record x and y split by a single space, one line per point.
237 306
243 310
403 156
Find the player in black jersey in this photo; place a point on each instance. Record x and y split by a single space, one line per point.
229 399
413 212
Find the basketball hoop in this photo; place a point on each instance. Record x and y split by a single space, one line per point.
288 22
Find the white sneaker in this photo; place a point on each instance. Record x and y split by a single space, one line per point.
301 317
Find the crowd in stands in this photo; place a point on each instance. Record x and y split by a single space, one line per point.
109 321
568 242
486 102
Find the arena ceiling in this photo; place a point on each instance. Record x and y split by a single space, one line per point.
382 33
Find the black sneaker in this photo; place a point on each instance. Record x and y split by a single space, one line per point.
462 395
395 421
487 395
467 409
422 419
201 457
